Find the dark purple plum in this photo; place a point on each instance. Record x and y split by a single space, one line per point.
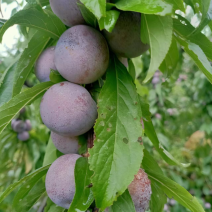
60 181
18 126
125 39
28 125
44 64
140 191
23 136
68 109
68 11
65 144
81 55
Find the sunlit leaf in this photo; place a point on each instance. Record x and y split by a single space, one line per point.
38 173
97 7
183 28
158 197
43 20
196 53
174 190
159 30
83 196
171 60
109 21
124 203
28 58
7 83
117 130
9 110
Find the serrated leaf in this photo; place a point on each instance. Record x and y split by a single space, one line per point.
196 53
29 193
150 132
9 110
28 58
83 196
88 16
145 6
43 20
160 37
6 83
158 197
97 7
109 21
124 203
174 190
117 154
56 77
12 187
172 58
183 28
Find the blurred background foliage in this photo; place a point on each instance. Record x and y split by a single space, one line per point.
181 108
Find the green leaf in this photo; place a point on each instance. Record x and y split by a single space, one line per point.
12 187
158 197
109 21
88 16
124 203
97 7
28 58
51 153
171 59
56 77
183 30
9 110
6 83
2 22
43 20
177 4
51 207
29 193
159 30
132 69
145 6
150 132
44 2
196 53
117 130
174 190
206 6
83 196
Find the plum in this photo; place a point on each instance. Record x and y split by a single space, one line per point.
81 55
68 109
68 11
60 181
44 64
23 136
65 144
140 191
28 125
18 126
125 39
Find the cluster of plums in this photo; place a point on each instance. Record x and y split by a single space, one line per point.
81 56
22 127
